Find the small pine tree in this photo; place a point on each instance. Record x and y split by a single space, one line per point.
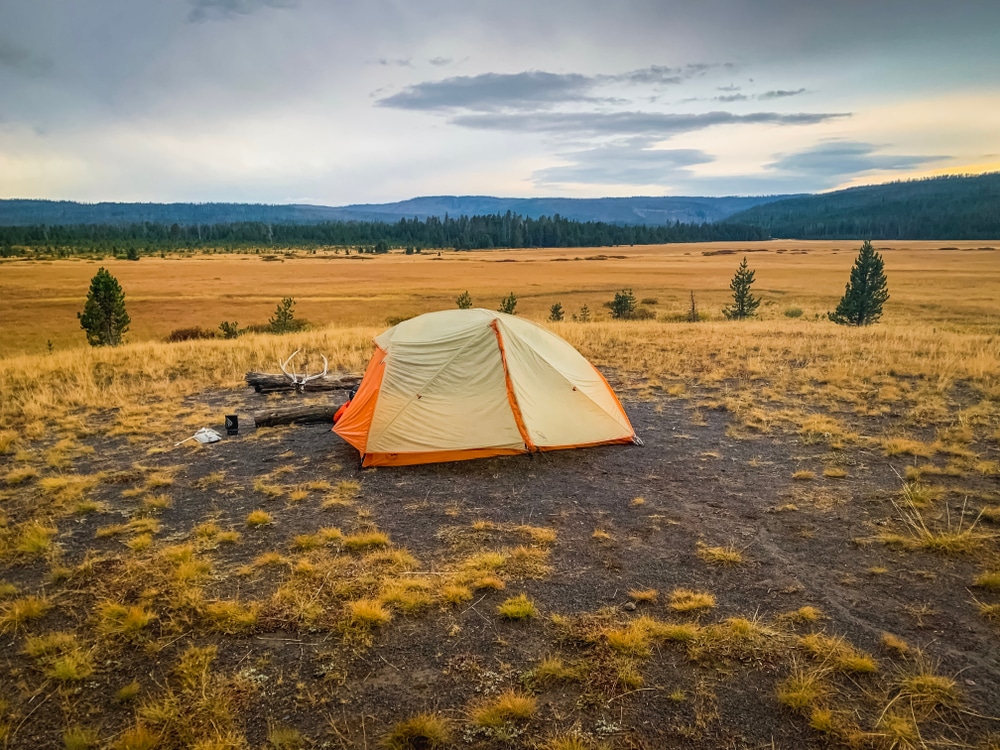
283 320
584 314
104 318
744 303
508 304
464 300
623 305
132 253
556 313
866 292
230 329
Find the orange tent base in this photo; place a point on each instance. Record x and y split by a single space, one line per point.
430 457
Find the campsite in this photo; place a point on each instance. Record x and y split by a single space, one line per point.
804 552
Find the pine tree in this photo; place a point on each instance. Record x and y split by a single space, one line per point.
508 304
584 314
104 318
556 313
744 303
284 320
464 300
866 292
623 305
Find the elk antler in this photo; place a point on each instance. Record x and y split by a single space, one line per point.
300 382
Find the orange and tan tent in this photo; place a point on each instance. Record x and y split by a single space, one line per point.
460 384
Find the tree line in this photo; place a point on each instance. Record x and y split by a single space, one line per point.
939 208
508 230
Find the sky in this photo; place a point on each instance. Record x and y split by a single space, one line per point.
336 102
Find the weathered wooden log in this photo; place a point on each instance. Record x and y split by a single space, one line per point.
264 382
294 415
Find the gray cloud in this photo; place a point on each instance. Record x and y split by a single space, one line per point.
727 98
440 61
216 10
652 124
22 60
398 62
629 163
491 91
534 88
839 158
728 88
780 94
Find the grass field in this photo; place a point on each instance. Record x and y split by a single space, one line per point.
805 554
39 300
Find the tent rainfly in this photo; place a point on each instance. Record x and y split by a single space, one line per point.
461 384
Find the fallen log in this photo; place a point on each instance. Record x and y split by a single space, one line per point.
294 415
264 382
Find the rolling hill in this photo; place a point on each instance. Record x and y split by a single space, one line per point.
938 208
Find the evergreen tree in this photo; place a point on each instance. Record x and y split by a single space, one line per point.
104 318
464 300
556 313
508 304
584 314
744 303
283 320
623 305
866 292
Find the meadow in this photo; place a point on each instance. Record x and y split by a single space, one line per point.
806 553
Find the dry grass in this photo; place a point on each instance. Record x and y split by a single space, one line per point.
518 607
685 600
727 555
509 706
837 654
424 731
954 539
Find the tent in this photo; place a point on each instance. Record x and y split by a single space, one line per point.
461 384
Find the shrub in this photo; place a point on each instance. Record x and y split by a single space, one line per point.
556 313
230 330
189 334
793 312
464 300
508 304
283 320
623 305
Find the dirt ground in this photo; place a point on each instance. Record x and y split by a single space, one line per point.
695 482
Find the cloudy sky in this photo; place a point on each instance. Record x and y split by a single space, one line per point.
349 101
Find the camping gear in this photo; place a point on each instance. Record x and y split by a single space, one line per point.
203 436
232 424
461 384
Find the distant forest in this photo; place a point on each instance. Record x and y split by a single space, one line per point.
939 208
463 233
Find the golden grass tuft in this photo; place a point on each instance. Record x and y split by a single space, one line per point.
990 513
834 472
408 595
232 617
20 611
128 693
803 689
367 613
455 593
508 707
837 654
567 742
121 621
258 518
20 475
518 607
283 737
365 540
426 731
806 614
34 539
899 446
537 534
552 669
989 579
686 600
80 738
895 644
727 555
643 596
804 475
953 539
